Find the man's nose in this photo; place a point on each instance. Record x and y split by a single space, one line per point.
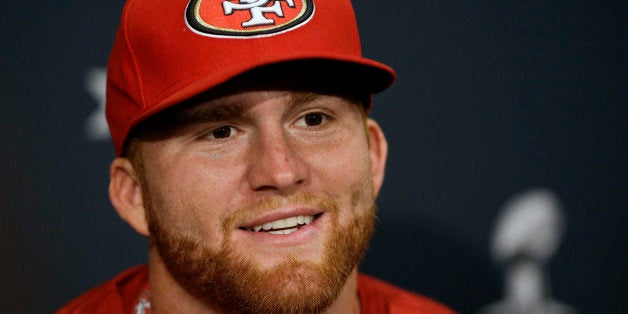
275 164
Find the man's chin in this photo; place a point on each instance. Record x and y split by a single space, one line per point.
295 261
301 286
269 278
293 285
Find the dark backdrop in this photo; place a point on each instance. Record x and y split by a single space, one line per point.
492 98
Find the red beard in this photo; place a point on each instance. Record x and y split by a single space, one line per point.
230 281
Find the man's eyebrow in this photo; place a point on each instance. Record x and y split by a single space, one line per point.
229 110
207 113
298 98
304 97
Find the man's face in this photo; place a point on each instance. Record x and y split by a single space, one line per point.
262 200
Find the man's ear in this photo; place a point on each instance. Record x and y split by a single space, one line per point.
379 152
125 192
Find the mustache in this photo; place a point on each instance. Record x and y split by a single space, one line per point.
240 216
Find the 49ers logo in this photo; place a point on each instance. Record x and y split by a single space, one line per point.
235 18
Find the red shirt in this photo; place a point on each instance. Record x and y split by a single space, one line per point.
127 293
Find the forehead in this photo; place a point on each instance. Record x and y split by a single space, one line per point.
224 104
241 103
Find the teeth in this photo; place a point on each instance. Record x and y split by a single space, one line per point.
285 231
278 224
291 223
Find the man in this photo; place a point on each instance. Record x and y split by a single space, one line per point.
246 157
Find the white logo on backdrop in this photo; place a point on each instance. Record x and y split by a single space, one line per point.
96 128
527 233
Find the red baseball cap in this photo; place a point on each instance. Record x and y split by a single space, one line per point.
167 51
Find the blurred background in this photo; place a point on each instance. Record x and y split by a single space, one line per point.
493 98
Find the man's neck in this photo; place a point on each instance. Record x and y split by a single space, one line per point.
168 296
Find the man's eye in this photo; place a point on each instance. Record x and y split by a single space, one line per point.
312 119
222 131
